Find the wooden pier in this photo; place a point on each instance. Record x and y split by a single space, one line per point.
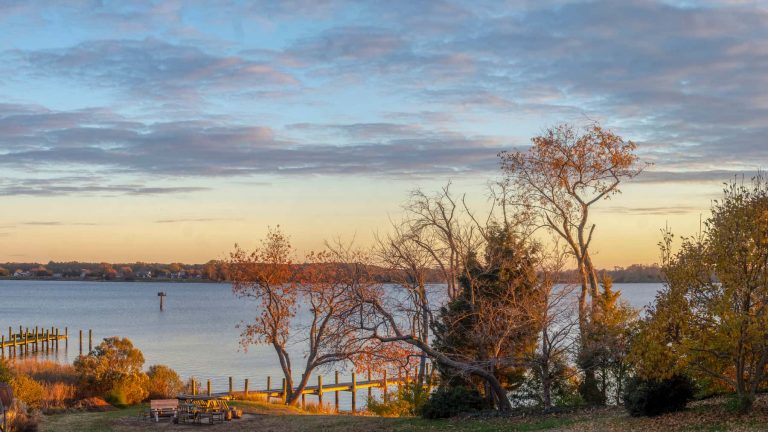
34 340
318 390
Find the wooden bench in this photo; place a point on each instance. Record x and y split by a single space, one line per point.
163 408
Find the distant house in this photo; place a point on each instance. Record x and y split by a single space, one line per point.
21 273
84 273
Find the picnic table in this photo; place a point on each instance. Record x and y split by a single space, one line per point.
205 409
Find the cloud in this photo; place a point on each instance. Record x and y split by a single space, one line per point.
203 148
151 68
170 221
662 211
58 223
83 185
721 176
684 79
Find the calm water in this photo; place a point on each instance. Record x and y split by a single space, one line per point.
196 334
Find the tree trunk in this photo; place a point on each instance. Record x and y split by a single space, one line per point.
295 395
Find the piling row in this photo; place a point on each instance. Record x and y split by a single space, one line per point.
28 340
352 386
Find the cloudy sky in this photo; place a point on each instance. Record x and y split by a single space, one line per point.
170 130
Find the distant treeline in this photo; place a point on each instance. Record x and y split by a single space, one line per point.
216 270
636 273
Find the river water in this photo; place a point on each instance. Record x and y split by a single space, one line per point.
196 334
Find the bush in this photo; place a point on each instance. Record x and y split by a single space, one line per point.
20 419
5 371
164 382
407 401
130 389
113 370
645 397
28 390
451 401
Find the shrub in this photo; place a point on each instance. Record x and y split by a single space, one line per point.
164 382
129 390
646 397
28 390
5 371
20 419
407 401
113 370
451 401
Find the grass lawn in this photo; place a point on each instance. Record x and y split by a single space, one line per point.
708 416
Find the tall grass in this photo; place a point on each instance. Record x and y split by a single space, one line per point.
58 381
46 371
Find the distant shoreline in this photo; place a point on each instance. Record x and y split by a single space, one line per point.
140 280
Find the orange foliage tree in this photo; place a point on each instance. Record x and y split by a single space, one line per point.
560 177
320 289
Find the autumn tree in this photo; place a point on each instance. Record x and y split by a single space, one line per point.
560 177
711 319
320 288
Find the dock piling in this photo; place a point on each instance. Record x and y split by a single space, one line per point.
337 392
354 393
320 390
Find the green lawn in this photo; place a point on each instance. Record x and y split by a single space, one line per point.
711 415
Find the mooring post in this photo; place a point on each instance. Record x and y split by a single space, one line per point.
230 386
354 393
269 387
90 341
246 389
369 384
161 294
25 348
385 385
66 338
208 387
284 396
35 347
81 342
336 396
57 339
2 346
194 387
320 391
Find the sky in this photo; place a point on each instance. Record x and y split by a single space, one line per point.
170 130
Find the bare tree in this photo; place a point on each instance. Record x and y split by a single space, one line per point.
558 320
409 262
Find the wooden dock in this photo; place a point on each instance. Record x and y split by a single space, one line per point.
318 390
33 340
